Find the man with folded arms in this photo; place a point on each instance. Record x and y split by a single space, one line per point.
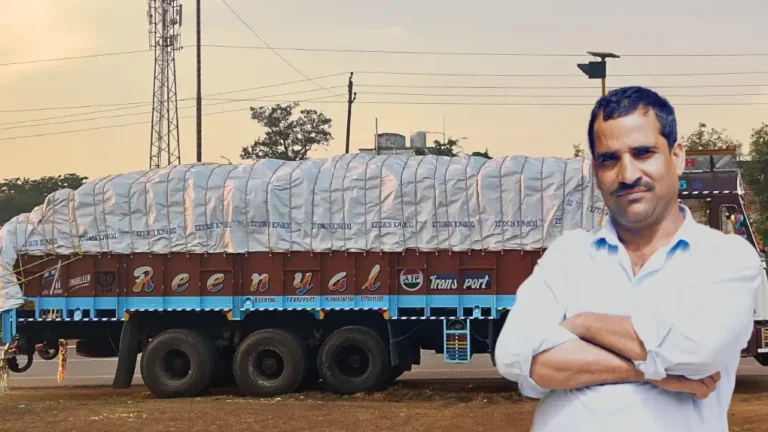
639 324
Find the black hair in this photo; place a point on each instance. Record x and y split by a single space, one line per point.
625 101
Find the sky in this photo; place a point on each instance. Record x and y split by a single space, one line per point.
46 29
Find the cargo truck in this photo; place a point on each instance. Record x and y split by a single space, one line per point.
275 275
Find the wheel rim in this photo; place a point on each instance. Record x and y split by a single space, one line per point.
267 364
175 365
353 361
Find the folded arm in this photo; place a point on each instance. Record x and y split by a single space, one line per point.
538 353
695 336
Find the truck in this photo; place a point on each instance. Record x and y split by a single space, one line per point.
275 275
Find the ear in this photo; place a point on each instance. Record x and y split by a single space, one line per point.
678 157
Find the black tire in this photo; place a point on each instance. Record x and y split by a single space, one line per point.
13 364
270 362
178 363
48 353
352 360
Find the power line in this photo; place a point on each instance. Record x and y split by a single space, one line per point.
223 102
463 74
535 103
284 94
85 56
478 53
552 87
275 85
72 115
149 102
393 52
50 108
137 123
548 95
129 105
372 103
276 53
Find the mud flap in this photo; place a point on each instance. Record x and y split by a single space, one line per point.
126 357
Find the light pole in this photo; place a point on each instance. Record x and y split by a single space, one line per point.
597 69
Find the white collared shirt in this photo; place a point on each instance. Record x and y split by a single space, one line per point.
691 304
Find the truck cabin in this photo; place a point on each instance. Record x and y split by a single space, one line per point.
711 186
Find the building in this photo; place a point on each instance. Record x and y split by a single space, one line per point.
394 144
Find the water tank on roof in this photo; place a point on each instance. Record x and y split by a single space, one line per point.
391 140
419 139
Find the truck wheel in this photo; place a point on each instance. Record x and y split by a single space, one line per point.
46 353
353 359
270 362
178 363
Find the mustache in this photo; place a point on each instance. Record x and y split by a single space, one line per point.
635 186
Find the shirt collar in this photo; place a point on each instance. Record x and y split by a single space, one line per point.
606 234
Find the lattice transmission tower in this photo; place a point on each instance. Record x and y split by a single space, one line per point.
164 36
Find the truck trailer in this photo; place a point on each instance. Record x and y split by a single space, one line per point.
277 274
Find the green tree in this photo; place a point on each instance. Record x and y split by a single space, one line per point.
755 172
710 139
450 147
286 137
22 195
578 151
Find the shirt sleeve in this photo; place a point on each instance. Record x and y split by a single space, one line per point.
532 326
696 333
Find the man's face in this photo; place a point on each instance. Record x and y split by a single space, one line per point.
635 170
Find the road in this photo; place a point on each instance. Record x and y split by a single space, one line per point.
85 371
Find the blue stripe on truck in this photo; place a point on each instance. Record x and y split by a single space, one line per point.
93 308
8 319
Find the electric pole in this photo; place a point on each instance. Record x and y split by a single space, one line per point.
351 97
164 18
199 92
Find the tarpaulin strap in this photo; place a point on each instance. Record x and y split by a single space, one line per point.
43 272
21 269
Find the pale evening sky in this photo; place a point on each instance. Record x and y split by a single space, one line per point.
44 29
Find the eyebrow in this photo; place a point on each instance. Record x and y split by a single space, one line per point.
611 154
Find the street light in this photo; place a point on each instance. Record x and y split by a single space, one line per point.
597 69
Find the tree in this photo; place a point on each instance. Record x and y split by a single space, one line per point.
578 151
756 177
22 195
288 138
712 139
450 147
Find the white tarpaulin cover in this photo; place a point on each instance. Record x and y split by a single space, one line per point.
353 202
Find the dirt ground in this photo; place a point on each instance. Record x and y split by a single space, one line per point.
479 405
